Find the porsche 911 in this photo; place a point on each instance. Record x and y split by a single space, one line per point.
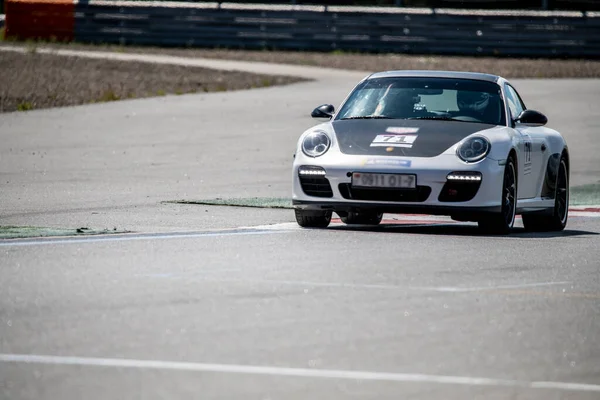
459 144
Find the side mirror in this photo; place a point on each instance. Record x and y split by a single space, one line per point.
323 111
532 118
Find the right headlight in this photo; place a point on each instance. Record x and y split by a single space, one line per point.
315 144
473 149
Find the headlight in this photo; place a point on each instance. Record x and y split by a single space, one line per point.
315 144
473 149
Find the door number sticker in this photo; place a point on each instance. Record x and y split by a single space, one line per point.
527 165
527 152
391 140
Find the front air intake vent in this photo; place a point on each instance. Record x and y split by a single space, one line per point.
397 195
317 186
457 191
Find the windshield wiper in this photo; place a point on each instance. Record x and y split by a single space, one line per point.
439 117
446 118
369 117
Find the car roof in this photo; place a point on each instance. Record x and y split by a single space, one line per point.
436 74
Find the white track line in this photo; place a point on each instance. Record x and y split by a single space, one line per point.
500 287
398 219
585 214
443 289
130 237
296 372
301 71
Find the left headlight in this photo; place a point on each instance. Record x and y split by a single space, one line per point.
315 144
473 149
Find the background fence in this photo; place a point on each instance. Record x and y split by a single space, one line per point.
320 28
578 5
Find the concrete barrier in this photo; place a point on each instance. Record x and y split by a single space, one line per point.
40 19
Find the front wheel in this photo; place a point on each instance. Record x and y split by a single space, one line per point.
313 219
558 219
502 222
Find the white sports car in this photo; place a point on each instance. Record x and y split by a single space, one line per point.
447 143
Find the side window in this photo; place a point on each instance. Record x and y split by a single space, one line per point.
519 99
515 104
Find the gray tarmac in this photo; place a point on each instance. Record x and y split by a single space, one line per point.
197 304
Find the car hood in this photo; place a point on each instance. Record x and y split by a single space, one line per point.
422 138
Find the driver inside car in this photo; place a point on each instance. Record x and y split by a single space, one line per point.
478 105
397 103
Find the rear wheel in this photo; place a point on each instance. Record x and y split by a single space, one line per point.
362 218
502 222
558 219
313 219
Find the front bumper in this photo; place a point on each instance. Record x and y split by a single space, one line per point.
432 181
461 213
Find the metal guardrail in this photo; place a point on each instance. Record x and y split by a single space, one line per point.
321 28
578 5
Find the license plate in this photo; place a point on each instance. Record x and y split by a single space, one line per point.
390 181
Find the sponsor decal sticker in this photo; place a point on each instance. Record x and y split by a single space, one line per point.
396 163
401 130
394 140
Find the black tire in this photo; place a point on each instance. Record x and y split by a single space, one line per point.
313 219
362 218
557 221
502 222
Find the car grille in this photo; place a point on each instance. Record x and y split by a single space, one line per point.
398 195
316 186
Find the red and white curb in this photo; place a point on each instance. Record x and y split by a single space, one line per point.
584 211
422 219
409 219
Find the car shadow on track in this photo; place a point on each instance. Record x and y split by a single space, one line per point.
454 229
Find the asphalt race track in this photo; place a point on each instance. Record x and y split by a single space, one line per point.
213 302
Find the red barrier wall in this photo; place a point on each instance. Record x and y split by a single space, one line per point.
40 19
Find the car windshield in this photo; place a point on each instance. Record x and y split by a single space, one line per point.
463 100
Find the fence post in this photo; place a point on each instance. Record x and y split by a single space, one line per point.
544 4
398 3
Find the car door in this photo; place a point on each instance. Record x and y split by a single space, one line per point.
531 146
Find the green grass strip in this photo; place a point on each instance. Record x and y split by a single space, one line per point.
21 232
585 195
257 202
